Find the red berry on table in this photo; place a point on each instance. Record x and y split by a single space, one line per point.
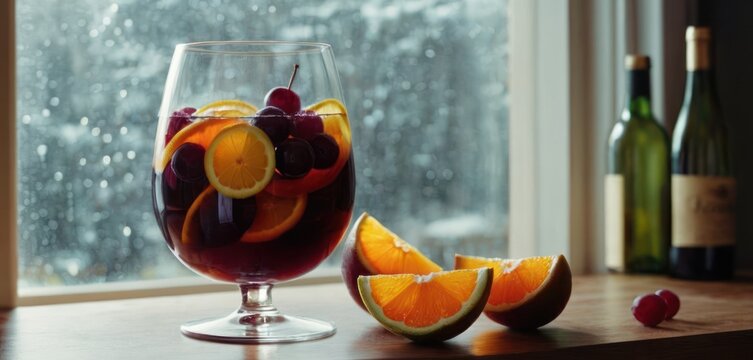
672 300
649 309
306 124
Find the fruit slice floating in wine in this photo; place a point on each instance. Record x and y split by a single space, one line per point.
240 161
275 216
427 308
200 133
226 108
372 249
527 293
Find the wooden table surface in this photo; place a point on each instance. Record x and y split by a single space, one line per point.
715 319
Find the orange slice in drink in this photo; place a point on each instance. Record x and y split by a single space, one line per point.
240 161
527 293
335 118
201 132
426 308
191 232
274 216
227 109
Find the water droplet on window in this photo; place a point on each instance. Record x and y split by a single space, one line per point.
103 184
126 230
46 112
128 23
42 150
131 154
82 161
58 176
123 130
429 53
94 33
84 121
123 93
95 131
88 183
106 161
55 101
26 119
106 20
107 138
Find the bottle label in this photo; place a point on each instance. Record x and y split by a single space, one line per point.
703 211
614 221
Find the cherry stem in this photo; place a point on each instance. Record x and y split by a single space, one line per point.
292 77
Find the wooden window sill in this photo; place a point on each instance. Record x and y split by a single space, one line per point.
716 319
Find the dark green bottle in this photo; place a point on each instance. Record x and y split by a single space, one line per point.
703 186
637 184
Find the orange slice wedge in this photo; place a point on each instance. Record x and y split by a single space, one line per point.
201 132
527 293
240 161
227 109
335 118
432 307
383 252
191 233
274 216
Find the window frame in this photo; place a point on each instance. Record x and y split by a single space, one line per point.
555 165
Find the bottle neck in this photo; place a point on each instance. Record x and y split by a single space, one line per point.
700 78
638 102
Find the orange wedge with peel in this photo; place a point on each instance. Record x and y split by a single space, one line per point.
372 249
201 132
427 308
226 109
335 119
240 161
191 233
527 293
274 216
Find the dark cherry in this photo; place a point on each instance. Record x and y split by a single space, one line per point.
325 149
178 120
672 300
649 309
273 121
283 97
179 194
188 162
224 220
294 158
306 124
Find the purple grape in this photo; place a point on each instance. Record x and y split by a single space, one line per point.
306 124
295 158
273 121
224 220
649 309
188 162
178 194
672 300
326 151
178 120
283 98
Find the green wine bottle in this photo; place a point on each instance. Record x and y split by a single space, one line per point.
703 188
637 198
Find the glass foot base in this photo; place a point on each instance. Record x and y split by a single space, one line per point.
247 328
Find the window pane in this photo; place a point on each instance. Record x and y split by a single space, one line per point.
425 83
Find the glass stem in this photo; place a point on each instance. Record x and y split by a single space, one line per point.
256 306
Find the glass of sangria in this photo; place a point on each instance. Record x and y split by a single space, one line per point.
253 179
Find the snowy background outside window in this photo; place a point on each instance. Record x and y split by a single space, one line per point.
425 83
